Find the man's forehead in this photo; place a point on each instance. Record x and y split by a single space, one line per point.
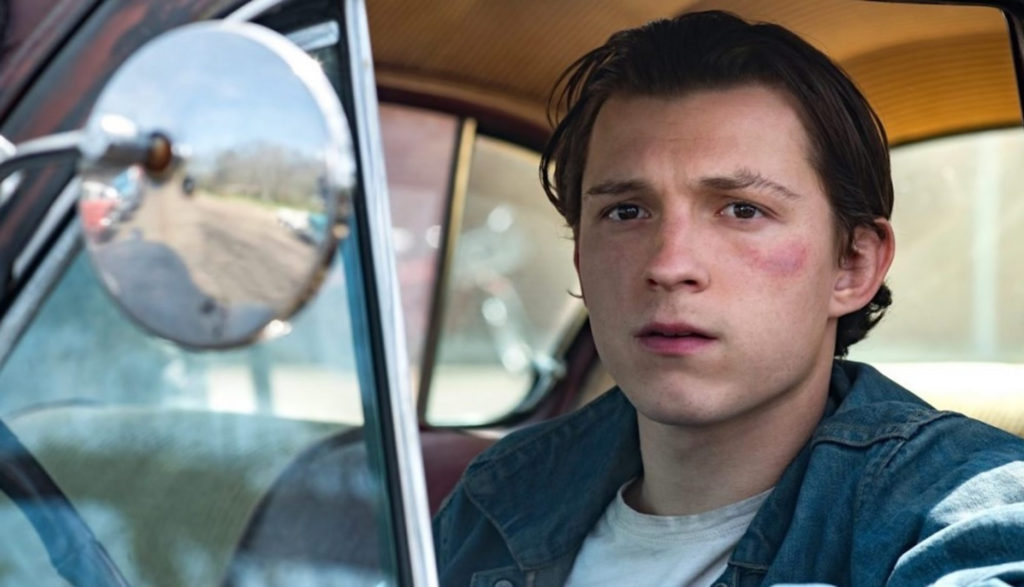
625 119
623 110
740 180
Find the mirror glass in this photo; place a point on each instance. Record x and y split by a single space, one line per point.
214 249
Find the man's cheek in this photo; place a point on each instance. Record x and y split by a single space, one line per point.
780 261
602 272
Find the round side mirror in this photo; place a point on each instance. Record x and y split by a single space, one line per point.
217 176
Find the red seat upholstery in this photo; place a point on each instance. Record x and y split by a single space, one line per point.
446 453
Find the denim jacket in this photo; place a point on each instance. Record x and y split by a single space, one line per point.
888 491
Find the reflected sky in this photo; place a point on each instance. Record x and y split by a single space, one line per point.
214 92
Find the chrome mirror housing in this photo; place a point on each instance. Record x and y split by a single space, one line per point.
217 174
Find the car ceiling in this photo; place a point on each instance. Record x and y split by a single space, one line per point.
929 70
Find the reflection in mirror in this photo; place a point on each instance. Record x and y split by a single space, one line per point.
232 236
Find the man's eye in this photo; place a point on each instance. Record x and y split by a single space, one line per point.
742 210
625 212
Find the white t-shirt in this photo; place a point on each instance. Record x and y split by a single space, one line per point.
626 547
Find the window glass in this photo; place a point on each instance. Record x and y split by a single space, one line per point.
104 358
955 323
508 302
254 466
419 148
171 455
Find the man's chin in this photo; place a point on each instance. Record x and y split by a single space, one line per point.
687 410
692 419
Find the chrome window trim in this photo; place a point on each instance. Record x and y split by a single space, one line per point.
54 214
411 480
252 10
318 36
8 187
52 267
9 184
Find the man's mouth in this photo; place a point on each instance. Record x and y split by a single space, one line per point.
672 331
674 338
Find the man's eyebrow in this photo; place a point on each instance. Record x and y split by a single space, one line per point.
744 179
616 187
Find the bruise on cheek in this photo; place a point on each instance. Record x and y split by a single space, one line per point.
781 260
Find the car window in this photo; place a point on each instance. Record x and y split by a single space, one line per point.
168 453
419 149
105 358
955 323
255 466
484 262
508 300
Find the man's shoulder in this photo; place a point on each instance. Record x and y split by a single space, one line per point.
908 487
515 492
872 409
869 407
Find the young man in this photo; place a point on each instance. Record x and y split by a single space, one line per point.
729 189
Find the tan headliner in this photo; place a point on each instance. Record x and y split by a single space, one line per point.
927 69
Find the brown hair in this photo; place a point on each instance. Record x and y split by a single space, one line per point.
714 51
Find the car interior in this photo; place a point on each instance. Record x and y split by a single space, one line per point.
942 78
253 467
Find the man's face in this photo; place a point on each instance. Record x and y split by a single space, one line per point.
706 255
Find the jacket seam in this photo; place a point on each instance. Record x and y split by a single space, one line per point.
750 567
445 520
868 481
497 527
903 431
867 487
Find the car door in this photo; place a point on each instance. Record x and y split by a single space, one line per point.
290 458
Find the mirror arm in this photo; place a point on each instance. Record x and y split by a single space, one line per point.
117 142
120 147
53 148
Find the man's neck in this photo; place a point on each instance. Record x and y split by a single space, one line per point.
690 470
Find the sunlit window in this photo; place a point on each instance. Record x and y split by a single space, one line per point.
955 332
508 302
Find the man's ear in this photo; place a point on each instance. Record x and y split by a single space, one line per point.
863 268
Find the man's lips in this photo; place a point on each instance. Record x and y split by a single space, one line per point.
674 338
673 330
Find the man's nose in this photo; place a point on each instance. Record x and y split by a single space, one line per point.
676 259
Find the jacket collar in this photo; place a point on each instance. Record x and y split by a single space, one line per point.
583 457
586 456
864 407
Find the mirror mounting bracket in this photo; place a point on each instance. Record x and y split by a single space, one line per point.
55 148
